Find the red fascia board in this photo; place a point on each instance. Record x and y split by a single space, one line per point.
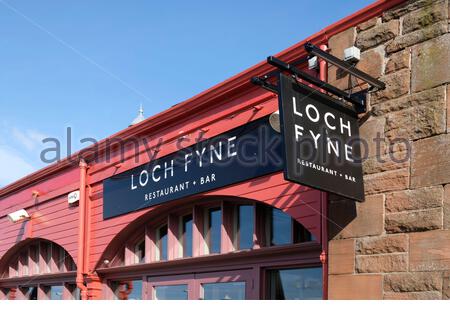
233 85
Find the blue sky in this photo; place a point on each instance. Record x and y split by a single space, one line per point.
88 64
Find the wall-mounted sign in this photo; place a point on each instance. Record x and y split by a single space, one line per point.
321 141
241 154
73 197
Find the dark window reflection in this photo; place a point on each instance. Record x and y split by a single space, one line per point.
295 284
127 290
5 294
29 293
187 236
280 228
162 243
246 227
179 292
224 291
74 291
215 227
140 252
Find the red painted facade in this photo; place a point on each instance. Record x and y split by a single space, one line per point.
217 110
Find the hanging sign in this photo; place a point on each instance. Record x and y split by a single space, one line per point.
321 141
244 153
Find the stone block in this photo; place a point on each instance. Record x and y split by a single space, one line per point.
382 244
416 123
341 256
397 84
370 131
398 61
348 219
417 199
427 64
420 19
428 97
429 251
448 108
413 282
404 8
387 181
430 161
367 24
414 221
424 295
410 39
379 34
447 206
355 287
337 44
390 161
372 62
383 263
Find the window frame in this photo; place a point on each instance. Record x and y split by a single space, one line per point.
206 227
236 225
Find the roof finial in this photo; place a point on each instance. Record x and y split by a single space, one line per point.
140 116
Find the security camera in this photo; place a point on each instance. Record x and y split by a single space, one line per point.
18 216
274 121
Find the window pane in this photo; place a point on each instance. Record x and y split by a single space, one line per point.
301 234
224 291
281 228
187 236
295 284
246 227
179 292
139 252
29 293
74 291
56 292
5 294
215 227
127 290
162 243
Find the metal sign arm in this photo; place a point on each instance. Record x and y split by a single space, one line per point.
316 51
283 66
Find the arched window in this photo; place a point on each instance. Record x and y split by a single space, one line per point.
47 269
249 226
224 249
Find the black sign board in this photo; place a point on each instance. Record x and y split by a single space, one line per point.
321 141
247 152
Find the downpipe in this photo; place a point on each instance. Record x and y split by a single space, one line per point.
82 231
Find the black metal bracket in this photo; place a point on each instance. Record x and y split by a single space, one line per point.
358 99
343 65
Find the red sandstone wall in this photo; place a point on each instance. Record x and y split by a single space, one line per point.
396 245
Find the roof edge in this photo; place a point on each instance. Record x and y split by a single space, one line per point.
237 82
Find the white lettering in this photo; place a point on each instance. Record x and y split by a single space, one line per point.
296 112
200 156
316 138
133 186
144 182
313 119
347 126
348 153
155 179
214 152
327 115
186 161
332 146
298 132
231 146
166 169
